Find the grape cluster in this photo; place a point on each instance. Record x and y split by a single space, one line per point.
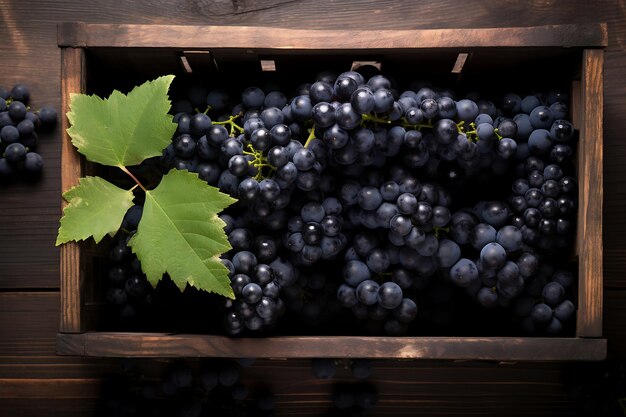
508 270
257 277
19 128
399 192
544 307
258 304
311 302
316 233
544 204
513 240
396 246
129 293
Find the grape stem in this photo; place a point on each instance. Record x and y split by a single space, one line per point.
439 229
472 135
310 138
203 112
231 122
138 184
259 161
418 126
373 118
384 275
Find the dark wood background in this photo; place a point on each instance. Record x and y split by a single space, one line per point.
34 381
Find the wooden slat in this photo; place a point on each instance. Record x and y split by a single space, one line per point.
73 81
424 388
49 388
50 407
54 367
29 322
490 348
218 37
590 197
404 387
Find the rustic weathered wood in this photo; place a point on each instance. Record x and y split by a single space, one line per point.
590 197
425 387
49 396
49 388
123 36
73 81
29 322
29 38
50 407
250 37
33 380
487 348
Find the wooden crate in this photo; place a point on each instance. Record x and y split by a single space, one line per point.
581 49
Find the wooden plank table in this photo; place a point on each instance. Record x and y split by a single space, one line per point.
29 262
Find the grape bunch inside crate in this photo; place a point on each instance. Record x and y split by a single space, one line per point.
99 57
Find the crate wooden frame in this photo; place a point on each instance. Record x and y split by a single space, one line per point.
587 105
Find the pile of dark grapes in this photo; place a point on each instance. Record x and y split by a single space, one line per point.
19 128
129 294
361 204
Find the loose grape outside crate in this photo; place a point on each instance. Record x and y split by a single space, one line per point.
144 51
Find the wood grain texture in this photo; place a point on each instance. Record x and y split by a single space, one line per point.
71 269
28 258
405 387
590 196
115 344
224 37
424 388
33 380
49 388
414 387
49 407
246 39
29 322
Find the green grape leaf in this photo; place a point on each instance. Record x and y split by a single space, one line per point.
181 234
96 208
123 130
